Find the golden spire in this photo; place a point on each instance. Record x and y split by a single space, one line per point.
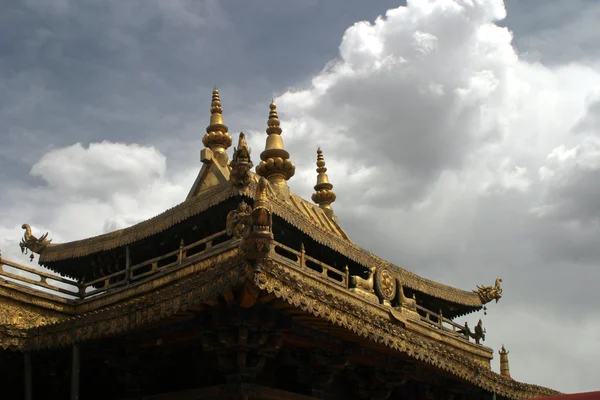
324 194
217 139
275 166
504 369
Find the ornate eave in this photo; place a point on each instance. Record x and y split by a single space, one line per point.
200 282
306 217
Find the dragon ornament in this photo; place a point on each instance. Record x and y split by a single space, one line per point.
32 243
489 293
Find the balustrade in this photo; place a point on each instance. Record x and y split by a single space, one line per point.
50 282
185 254
21 274
440 321
307 263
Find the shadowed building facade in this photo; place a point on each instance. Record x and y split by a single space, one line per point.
243 291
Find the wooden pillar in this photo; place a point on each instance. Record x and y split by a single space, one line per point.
28 376
75 372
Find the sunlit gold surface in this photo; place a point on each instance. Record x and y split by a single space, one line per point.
275 165
504 368
216 138
489 293
324 194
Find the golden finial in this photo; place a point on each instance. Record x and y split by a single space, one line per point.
504 369
217 139
324 194
275 166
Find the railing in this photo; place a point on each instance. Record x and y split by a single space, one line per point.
441 320
34 277
161 264
130 275
312 265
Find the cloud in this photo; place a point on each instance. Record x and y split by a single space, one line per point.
86 191
471 163
451 155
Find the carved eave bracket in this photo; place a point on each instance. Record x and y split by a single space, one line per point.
32 243
489 293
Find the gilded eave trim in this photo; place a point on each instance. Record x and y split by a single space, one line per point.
142 230
133 313
360 318
283 209
366 258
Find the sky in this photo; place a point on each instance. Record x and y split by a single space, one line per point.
462 137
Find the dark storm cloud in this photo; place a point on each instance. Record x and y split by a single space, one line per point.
555 31
424 177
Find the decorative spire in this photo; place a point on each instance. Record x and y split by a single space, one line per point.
324 194
275 166
217 139
504 369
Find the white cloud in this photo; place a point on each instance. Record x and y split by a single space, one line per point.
89 191
471 163
450 156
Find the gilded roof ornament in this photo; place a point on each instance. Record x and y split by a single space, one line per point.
216 138
239 221
275 166
489 293
504 368
324 194
478 334
257 244
32 243
241 163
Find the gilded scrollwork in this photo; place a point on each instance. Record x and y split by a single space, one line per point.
352 313
24 316
239 221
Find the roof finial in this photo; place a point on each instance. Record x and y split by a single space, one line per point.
504 369
324 194
217 139
275 165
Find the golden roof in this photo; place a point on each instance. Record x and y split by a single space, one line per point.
316 222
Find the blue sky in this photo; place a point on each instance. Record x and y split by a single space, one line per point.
461 136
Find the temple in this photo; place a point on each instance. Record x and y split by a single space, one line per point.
242 291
